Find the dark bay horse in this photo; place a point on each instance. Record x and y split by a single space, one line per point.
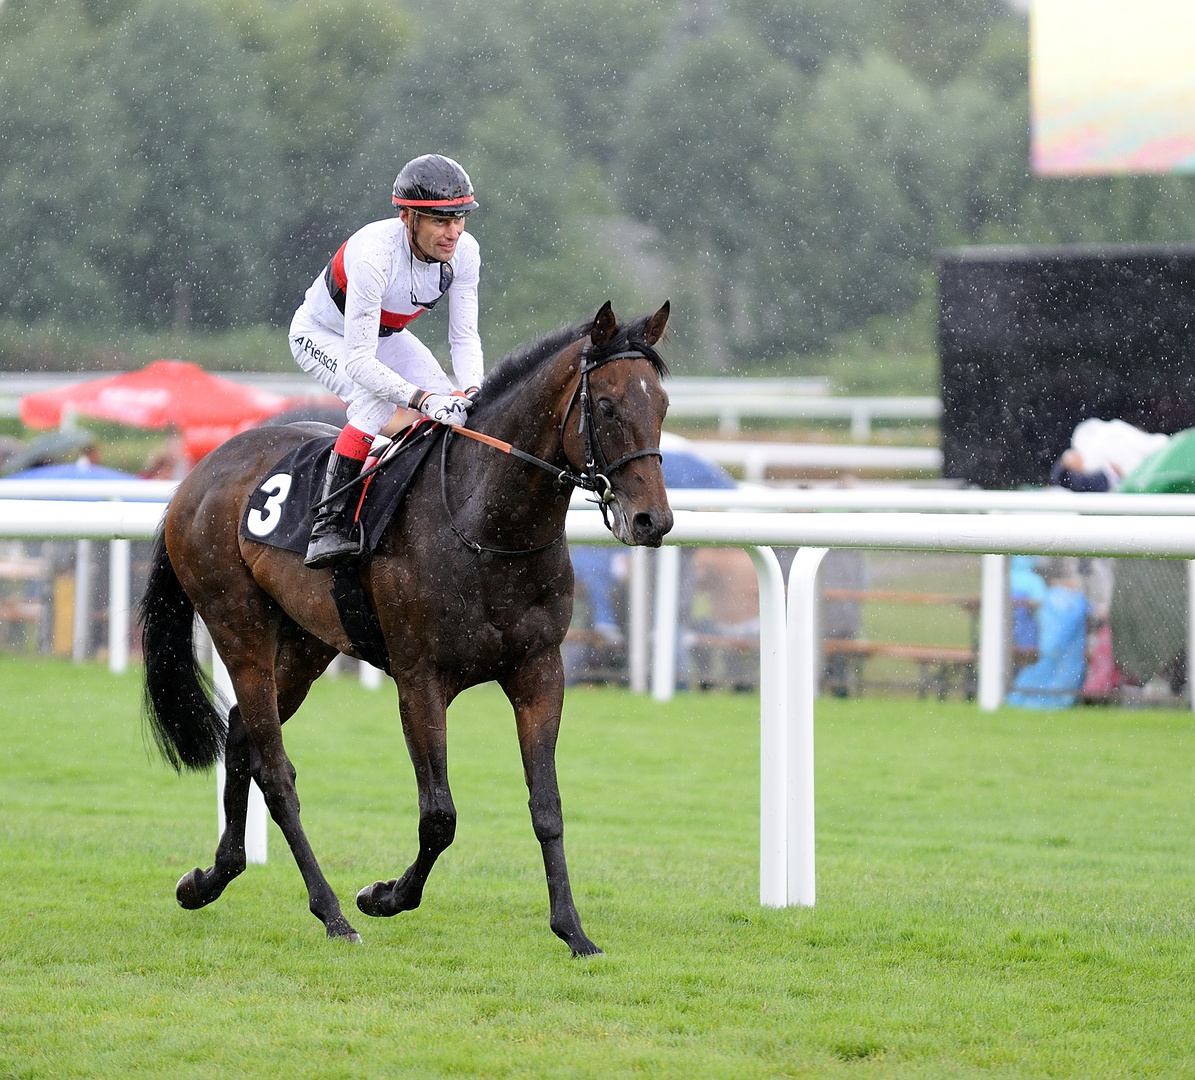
471 582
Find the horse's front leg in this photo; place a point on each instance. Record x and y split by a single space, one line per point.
424 723
200 887
536 691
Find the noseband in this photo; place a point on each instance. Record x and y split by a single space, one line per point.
595 476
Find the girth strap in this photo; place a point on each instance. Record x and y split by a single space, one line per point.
358 616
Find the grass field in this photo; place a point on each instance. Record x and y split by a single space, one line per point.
1005 895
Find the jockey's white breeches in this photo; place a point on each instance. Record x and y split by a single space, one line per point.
321 353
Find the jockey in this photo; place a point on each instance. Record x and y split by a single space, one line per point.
352 331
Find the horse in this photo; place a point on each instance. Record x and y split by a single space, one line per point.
471 582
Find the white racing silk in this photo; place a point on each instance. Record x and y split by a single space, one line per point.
382 275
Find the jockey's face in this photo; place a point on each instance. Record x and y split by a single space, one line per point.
434 237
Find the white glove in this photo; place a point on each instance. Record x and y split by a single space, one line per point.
444 409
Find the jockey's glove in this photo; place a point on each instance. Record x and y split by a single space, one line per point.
469 397
443 408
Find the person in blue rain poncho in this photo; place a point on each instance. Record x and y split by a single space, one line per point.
1055 679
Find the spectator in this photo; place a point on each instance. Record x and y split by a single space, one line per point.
1102 453
1054 680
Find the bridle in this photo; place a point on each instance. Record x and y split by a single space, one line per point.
595 475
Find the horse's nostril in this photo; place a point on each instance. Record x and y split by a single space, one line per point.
643 522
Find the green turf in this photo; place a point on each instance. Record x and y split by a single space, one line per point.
1005 895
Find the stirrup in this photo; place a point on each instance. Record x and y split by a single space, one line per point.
341 549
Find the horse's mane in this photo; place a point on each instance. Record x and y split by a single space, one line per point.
519 364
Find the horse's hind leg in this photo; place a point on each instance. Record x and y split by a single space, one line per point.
276 776
537 693
200 887
301 659
427 741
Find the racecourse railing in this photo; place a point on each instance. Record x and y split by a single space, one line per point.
741 400
787 630
755 459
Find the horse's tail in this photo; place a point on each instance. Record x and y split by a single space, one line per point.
185 725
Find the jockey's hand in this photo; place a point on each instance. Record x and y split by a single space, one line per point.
469 397
444 409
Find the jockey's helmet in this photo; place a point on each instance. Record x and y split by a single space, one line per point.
436 185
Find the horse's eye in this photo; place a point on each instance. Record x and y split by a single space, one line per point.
607 409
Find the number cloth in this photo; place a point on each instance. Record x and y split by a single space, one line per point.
280 509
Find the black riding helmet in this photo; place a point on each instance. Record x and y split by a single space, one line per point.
434 184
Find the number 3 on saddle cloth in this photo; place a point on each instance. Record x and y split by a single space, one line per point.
280 514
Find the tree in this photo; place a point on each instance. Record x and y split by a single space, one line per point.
51 173
543 264
187 222
319 61
698 129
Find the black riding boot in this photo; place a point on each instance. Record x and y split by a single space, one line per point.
330 540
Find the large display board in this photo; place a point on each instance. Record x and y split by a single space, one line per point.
1033 340
1112 86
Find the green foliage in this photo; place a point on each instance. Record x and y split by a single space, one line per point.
999 896
806 32
785 169
186 221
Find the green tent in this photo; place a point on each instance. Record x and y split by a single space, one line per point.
1169 470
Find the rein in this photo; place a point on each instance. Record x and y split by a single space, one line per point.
597 470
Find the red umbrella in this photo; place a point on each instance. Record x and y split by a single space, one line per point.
204 408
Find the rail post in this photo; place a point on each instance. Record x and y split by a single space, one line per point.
773 742
639 620
802 690
119 573
663 666
81 616
1191 633
993 632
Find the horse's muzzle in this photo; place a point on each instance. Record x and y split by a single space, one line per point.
649 527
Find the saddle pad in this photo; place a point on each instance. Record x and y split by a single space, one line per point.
279 512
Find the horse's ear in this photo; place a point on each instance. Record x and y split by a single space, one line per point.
655 325
604 325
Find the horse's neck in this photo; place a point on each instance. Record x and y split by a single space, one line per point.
517 497
531 418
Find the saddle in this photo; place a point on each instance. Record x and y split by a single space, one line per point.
280 515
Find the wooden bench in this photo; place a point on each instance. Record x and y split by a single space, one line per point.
20 610
940 667
603 661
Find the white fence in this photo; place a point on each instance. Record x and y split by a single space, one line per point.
756 458
743 400
788 637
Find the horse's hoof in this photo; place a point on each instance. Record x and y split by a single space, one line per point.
369 900
567 927
585 947
339 930
187 893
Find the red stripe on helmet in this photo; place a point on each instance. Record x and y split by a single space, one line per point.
433 202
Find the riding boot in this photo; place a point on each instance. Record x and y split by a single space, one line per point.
330 540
